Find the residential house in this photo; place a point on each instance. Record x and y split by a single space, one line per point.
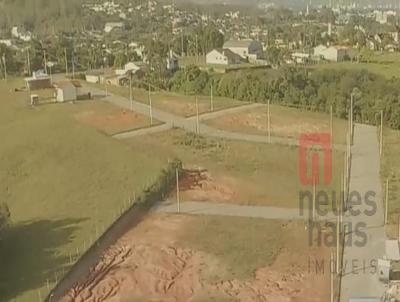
93 76
131 67
39 80
110 26
23 35
247 49
332 53
66 91
223 57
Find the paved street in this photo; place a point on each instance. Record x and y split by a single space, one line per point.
189 124
364 177
229 209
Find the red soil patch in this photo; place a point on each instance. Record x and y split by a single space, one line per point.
291 126
199 185
147 265
110 119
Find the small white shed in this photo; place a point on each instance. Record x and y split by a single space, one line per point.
66 92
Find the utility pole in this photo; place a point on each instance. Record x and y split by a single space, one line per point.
338 245
66 61
212 98
331 274
269 120
197 50
28 61
398 234
5 66
314 198
351 118
181 42
151 107
45 61
197 117
130 92
381 136
178 199
331 122
73 63
386 200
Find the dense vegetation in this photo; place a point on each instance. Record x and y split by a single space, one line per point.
315 90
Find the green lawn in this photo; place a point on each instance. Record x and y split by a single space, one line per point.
243 245
182 105
64 183
386 64
258 174
391 170
285 122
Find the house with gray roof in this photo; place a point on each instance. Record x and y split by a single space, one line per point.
222 56
247 49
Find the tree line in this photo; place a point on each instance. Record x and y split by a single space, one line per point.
306 88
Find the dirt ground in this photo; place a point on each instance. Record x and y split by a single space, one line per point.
285 122
151 263
110 119
199 185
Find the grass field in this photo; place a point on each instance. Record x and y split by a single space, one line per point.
385 64
242 173
242 244
63 182
285 122
391 171
182 105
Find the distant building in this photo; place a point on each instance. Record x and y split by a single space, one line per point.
301 57
332 53
93 76
66 91
223 57
172 61
39 80
110 26
131 67
247 49
6 42
23 35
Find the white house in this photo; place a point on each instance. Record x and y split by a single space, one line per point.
129 67
110 26
25 36
332 53
66 91
93 76
222 57
247 49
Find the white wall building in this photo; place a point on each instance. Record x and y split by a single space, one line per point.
332 53
247 49
222 57
66 92
110 26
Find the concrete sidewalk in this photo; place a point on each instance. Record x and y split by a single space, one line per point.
358 277
228 209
